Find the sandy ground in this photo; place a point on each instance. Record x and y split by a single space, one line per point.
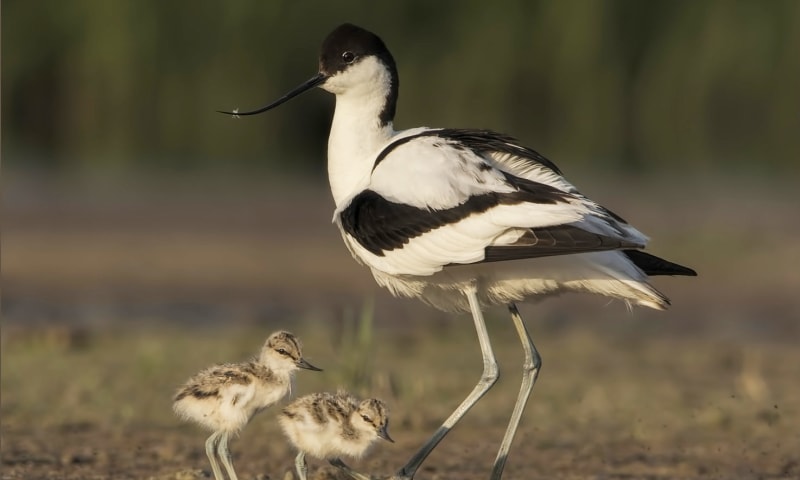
113 296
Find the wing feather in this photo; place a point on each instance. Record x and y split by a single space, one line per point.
555 240
440 197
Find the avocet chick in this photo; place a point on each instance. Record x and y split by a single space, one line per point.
224 398
329 426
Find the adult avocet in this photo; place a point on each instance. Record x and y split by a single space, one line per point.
464 219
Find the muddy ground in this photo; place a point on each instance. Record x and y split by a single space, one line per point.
113 296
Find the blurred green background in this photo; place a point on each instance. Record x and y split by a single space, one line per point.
635 85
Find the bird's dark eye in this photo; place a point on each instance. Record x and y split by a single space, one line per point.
348 57
282 351
366 418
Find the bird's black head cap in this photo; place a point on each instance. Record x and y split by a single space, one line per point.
346 45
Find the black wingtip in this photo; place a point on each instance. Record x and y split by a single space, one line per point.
652 265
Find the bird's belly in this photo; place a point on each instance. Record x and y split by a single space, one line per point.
504 282
213 413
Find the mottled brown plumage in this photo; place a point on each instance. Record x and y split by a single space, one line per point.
332 425
208 382
223 398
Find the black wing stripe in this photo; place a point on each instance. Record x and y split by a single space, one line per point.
555 240
489 141
380 225
480 141
390 148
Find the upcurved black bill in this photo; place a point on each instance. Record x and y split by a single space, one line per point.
307 85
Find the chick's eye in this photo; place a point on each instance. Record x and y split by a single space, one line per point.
348 57
366 418
283 351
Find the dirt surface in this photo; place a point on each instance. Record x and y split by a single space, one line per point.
629 406
110 301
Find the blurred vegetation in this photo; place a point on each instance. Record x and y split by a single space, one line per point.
357 349
128 84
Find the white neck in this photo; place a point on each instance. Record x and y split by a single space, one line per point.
355 140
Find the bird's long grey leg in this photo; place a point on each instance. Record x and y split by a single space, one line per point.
225 456
211 452
487 380
301 466
338 463
530 371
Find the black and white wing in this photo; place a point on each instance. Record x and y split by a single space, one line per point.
438 197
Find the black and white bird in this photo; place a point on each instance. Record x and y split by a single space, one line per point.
464 219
